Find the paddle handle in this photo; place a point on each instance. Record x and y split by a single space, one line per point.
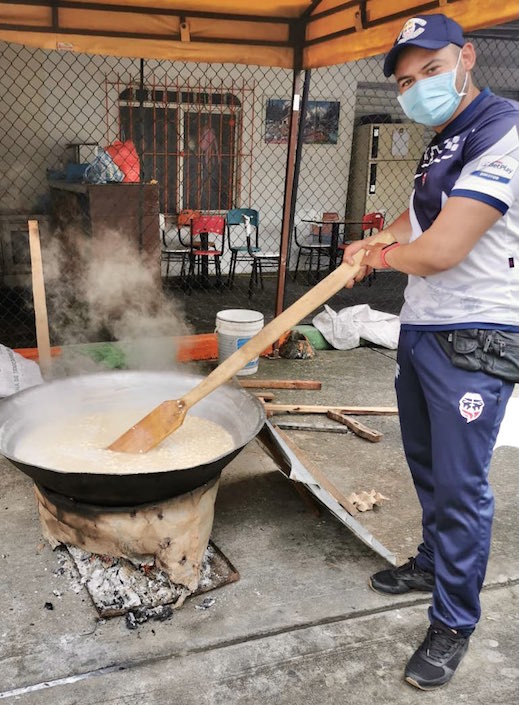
320 293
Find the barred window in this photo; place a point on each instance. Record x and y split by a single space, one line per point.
189 141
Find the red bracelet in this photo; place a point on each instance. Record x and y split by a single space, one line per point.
384 251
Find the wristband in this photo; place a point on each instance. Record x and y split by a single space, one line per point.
384 252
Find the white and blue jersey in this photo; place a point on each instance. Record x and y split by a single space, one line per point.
475 156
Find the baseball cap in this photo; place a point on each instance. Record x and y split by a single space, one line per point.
426 31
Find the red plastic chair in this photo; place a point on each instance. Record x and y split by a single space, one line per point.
371 221
209 232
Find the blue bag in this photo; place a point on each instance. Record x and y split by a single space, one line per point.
102 170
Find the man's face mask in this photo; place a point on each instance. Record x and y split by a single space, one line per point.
432 101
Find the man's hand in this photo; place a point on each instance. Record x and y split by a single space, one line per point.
349 253
375 255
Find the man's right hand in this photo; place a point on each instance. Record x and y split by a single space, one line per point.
399 230
349 253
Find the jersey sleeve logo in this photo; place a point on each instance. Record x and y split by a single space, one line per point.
471 406
496 168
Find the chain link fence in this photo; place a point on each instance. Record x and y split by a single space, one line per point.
121 161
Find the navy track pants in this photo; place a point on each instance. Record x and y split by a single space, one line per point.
449 420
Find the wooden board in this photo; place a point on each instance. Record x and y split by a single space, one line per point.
40 303
317 409
280 384
293 424
356 426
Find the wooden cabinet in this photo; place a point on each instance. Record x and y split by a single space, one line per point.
99 210
15 258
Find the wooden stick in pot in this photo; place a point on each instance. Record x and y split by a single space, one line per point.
168 416
40 303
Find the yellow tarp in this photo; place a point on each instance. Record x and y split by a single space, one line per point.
136 28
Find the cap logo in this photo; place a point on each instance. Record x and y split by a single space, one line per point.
412 29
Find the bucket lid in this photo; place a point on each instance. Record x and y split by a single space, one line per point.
239 315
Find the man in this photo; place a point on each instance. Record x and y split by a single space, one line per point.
458 353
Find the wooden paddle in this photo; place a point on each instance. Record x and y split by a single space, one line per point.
168 416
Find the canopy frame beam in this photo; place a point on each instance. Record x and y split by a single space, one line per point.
365 22
144 9
56 29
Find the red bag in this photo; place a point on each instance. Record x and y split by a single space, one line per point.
126 158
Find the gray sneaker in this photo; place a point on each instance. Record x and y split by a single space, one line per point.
396 581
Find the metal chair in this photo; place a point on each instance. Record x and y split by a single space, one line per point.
170 251
317 247
238 248
259 259
202 250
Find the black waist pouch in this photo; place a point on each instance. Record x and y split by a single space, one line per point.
495 352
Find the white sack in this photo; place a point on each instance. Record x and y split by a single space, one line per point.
507 435
16 373
344 330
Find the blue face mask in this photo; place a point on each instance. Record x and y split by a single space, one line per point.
432 101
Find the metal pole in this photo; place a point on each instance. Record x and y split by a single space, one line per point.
289 183
299 152
294 177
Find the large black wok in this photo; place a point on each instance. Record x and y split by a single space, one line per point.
236 410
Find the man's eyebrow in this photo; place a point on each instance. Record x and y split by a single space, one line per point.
424 68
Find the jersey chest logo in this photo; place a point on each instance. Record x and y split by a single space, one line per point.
471 406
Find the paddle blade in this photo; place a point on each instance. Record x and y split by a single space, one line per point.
152 429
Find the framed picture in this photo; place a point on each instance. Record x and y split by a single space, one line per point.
321 121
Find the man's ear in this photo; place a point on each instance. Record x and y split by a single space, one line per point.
468 56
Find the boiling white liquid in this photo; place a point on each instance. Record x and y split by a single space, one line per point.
78 444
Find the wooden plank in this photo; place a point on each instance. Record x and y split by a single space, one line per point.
196 347
32 353
321 478
204 346
316 409
296 425
264 396
356 426
40 303
280 384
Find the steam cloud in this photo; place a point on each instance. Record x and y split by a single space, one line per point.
105 290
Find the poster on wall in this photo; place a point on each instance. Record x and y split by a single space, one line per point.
321 121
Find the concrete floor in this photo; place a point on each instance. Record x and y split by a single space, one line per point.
301 623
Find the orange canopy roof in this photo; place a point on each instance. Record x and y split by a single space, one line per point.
291 33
